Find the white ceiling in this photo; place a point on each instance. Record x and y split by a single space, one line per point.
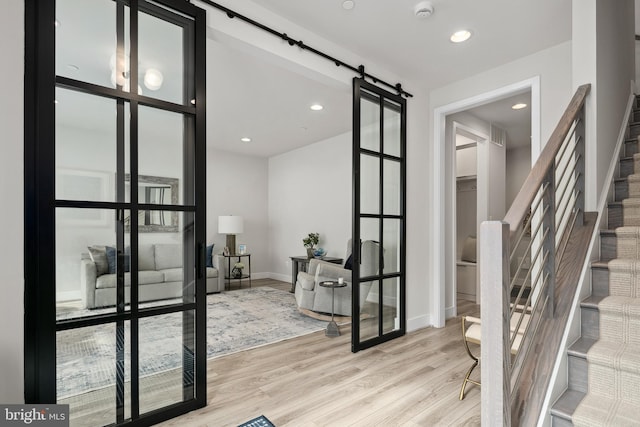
388 32
248 96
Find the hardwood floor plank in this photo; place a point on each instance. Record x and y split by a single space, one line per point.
316 381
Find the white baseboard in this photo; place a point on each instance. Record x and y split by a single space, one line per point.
419 322
67 296
450 312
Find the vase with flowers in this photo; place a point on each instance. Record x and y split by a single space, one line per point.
310 243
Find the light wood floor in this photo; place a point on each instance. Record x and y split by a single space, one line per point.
316 381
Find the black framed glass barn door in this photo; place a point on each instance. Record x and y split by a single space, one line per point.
379 215
116 309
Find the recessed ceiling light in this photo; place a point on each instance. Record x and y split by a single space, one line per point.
348 4
57 23
55 101
518 106
73 67
316 107
245 139
460 36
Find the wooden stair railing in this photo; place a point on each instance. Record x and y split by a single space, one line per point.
533 259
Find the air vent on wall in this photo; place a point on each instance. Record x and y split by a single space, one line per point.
498 136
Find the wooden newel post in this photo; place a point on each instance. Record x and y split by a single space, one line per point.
494 299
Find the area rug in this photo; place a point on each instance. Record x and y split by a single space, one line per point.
236 321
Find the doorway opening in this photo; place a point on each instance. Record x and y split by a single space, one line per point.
506 142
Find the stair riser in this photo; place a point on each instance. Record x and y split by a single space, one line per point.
608 247
600 281
621 190
590 323
578 377
634 130
626 167
615 217
630 148
560 422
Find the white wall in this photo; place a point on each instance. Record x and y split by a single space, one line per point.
518 168
552 69
238 185
608 63
11 194
309 192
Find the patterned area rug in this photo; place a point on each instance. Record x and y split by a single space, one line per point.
236 320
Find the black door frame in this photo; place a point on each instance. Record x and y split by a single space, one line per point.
40 203
364 89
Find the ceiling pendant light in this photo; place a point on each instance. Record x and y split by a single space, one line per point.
519 106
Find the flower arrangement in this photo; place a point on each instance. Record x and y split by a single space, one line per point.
310 242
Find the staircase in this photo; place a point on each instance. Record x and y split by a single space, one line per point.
604 363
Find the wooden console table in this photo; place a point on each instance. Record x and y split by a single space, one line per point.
301 263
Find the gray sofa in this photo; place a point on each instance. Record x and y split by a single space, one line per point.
160 276
310 295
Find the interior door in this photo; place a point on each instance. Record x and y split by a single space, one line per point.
116 296
379 180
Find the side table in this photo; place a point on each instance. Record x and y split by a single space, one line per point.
228 277
301 263
332 328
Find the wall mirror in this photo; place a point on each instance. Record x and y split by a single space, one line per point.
154 190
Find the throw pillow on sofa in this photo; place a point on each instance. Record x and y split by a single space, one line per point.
98 255
112 259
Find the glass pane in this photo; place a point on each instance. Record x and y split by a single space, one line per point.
86 259
369 184
390 304
369 312
369 247
160 157
167 359
391 239
161 60
87 362
86 40
392 131
391 191
85 147
370 124
162 280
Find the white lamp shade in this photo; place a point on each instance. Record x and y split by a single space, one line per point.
230 224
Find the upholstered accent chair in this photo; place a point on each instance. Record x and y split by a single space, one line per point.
310 295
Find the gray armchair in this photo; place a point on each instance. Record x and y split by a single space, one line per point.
310 295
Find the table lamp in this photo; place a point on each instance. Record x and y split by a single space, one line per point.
230 225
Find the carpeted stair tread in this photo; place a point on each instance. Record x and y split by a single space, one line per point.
622 356
620 319
601 411
631 211
624 277
628 242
